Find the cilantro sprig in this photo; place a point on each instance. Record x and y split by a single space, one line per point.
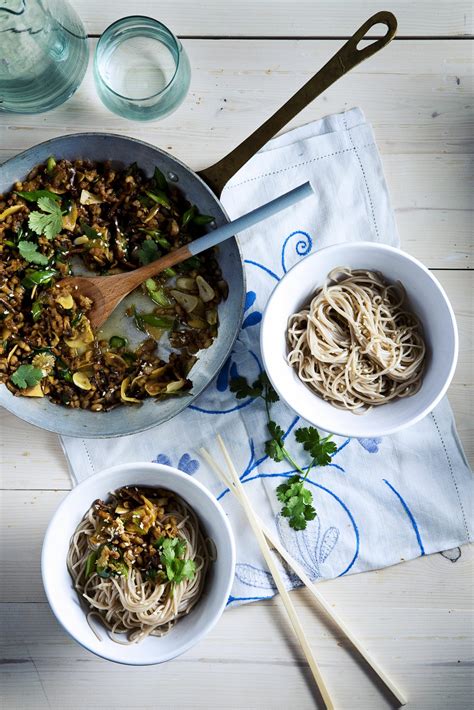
172 551
296 499
297 502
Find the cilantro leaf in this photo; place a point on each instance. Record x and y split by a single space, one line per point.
321 450
276 432
241 388
188 569
49 222
172 554
298 502
269 393
148 252
29 252
274 448
262 387
27 376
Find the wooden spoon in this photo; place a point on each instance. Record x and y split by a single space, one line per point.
106 292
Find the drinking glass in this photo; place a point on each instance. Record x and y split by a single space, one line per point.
141 70
43 54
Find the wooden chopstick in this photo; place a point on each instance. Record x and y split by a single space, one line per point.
298 569
288 604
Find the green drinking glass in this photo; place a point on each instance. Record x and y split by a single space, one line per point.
141 70
43 54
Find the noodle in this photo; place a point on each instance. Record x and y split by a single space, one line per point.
356 344
136 604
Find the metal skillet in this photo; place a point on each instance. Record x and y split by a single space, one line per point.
202 189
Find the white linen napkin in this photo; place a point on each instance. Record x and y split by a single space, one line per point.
380 501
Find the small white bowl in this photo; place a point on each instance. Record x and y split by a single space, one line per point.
427 299
64 600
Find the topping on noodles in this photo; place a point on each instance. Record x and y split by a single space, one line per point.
357 345
138 561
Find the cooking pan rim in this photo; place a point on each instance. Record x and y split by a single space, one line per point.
4 392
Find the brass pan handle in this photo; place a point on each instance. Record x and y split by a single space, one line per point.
217 175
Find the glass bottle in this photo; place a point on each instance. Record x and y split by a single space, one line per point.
43 54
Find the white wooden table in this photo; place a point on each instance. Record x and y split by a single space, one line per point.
247 58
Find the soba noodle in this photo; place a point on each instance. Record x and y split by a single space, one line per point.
136 604
357 345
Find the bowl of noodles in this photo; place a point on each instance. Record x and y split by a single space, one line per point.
360 339
138 562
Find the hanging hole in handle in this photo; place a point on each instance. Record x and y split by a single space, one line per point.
381 31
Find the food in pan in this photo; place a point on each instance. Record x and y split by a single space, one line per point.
357 344
138 561
72 217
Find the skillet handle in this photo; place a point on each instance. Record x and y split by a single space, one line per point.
217 175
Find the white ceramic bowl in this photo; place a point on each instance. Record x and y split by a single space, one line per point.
64 600
427 299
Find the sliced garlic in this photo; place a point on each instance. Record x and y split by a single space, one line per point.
67 301
79 241
70 219
186 300
206 291
175 386
198 323
82 381
83 337
35 391
211 316
186 283
87 198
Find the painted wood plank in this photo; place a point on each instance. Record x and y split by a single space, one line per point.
418 96
418 634
281 18
426 159
33 459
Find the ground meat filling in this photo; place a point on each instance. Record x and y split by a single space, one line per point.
112 221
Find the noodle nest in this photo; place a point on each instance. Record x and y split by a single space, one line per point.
135 604
357 344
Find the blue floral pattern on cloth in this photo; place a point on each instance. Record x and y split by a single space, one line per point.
185 463
309 548
370 445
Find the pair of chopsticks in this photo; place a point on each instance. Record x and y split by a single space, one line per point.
264 537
